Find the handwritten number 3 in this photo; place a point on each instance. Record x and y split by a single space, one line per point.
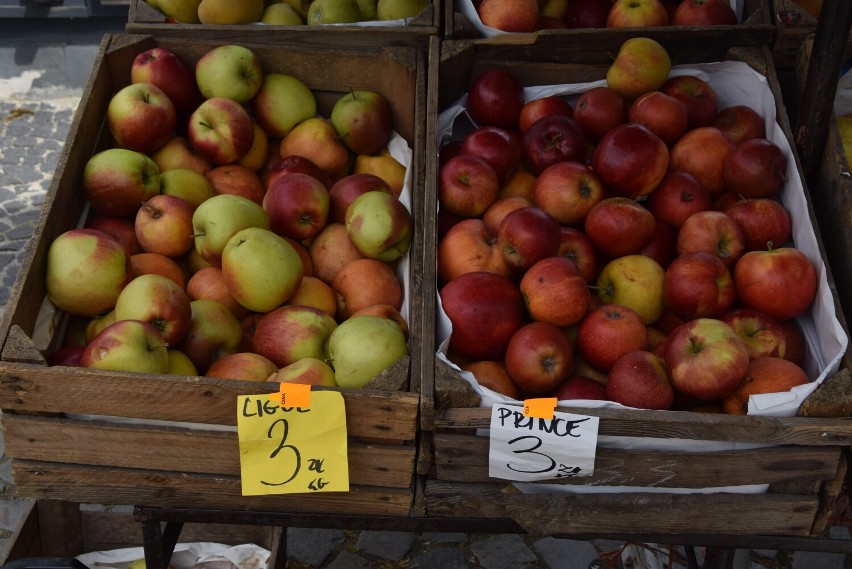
531 450
282 446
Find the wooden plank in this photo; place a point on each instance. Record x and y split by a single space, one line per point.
465 459
60 527
687 425
103 485
587 514
98 443
369 413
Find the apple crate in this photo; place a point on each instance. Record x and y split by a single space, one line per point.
705 43
90 436
144 19
745 475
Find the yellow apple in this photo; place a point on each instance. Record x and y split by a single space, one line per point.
634 281
230 12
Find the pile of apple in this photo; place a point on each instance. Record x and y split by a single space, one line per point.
286 12
234 232
629 246
533 15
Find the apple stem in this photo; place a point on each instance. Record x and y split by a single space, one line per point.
194 235
769 245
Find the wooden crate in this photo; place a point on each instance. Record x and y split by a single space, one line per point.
790 33
803 470
704 43
143 19
75 434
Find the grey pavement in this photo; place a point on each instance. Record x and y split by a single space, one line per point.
43 67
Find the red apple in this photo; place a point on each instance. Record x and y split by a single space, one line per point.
244 366
631 160
599 110
347 189
485 309
740 123
663 244
127 345
539 108
575 245
781 282
551 139
697 96
168 71
698 285
470 246
363 120
331 250
706 359
764 375
662 114
496 146
119 228
141 117
213 332
495 97
637 14
66 356
208 282
221 130
568 191
164 225
290 333
237 179
762 334
493 375
467 185
581 387
117 181
608 332
639 379
365 282
539 358
587 13
713 232
677 197
295 163
796 349
495 213
555 291
704 13
159 301
519 16
702 152
297 206
756 168
526 236
619 226
763 221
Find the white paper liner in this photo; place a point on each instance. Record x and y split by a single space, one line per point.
735 83
200 555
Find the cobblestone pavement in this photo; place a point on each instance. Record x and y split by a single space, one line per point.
34 119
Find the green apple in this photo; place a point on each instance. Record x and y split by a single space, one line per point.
290 333
634 281
182 11
188 185
333 12
97 324
363 120
127 345
213 332
86 271
117 181
217 219
180 364
282 102
359 348
642 65
379 225
368 10
281 14
225 12
310 371
261 269
231 71
157 300
399 9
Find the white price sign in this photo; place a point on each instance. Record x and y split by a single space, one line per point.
530 449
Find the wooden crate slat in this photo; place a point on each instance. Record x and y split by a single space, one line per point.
159 488
769 514
174 449
465 459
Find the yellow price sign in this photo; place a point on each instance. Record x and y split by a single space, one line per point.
289 450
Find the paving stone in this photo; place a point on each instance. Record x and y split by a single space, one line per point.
443 537
391 545
566 553
348 560
443 557
311 545
503 551
818 560
13 512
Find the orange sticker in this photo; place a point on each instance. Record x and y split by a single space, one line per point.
541 408
293 395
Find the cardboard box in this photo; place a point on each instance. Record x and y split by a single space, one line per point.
415 32
655 470
170 441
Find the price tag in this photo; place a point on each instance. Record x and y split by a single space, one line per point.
289 450
528 448
542 408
